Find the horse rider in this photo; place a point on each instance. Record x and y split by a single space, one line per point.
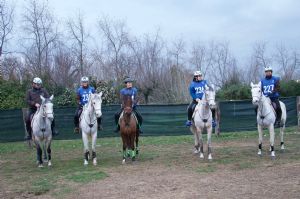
34 101
197 89
82 97
270 86
131 91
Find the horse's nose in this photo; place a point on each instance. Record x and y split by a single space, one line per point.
254 101
99 114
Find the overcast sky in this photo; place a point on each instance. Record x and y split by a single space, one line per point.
241 22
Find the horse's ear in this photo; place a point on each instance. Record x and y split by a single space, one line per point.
251 84
51 97
43 99
100 93
259 84
213 86
206 87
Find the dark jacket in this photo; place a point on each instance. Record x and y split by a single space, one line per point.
33 97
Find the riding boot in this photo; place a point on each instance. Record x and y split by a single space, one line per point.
214 124
190 113
54 131
99 121
76 123
140 121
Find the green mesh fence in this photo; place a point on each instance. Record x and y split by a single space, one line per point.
158 119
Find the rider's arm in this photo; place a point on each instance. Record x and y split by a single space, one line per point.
277 86
29 100
192 92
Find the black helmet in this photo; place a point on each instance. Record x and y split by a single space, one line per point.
127 79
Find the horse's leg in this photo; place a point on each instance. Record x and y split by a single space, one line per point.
199 132
39 153
48 146
94 139
272 139
209 150
45 152
137 142
281 136
124 148
196 139
86 147
260 139
132 138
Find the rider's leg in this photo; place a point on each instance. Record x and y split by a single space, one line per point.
140 120
28 125
99 121
278 112
76 119
117 116
191 109
213 111
54 131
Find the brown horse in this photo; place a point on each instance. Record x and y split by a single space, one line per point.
128 128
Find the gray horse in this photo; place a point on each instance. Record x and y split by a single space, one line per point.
41 129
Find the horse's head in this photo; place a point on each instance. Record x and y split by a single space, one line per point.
96 102
210 96
47 107
127 104
256 93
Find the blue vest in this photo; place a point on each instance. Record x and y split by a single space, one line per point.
197 89
268 85
130 92
83 94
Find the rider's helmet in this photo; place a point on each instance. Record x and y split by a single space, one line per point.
268 68
197 73
85 79
37 80
127 79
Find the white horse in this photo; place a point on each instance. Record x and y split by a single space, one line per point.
266 117
41 129
202 118
88 124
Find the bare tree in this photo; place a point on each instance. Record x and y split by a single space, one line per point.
222 65
6 23
148 54
80 36
117 41
287 61
39 27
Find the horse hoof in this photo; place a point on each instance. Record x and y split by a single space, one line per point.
259 153
41 166
196 151
201 155
95 162
273 153
49 164
85 163
209 157
282 147
137 152
123 161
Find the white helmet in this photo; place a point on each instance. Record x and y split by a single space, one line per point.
37 80
268 68
84 79
197 73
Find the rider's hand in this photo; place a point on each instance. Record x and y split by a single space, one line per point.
37 105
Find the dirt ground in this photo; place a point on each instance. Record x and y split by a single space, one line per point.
162 182
162 178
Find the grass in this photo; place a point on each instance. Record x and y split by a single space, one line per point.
233 151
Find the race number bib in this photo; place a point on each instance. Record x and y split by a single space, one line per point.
268 89
199 90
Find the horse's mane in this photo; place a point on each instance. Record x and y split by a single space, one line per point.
126 100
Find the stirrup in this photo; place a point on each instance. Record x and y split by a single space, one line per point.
76 130
188 123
